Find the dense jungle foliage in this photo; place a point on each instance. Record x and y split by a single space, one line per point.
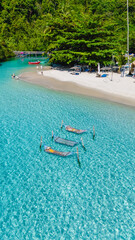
87 31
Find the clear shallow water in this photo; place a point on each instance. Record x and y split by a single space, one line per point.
48 197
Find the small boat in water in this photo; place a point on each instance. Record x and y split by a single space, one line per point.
34 62
62 154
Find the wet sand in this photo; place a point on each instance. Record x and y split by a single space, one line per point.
71 85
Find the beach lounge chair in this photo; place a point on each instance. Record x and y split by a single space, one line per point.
75 73
104 75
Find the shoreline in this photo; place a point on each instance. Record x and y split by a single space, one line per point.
119 90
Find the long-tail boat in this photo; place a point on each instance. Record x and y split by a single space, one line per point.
34 62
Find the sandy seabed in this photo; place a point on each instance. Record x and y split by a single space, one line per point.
113 87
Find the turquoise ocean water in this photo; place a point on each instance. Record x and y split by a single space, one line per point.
44 196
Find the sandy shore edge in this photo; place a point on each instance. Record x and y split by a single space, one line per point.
46 79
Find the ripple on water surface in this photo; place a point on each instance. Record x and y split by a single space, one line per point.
49 197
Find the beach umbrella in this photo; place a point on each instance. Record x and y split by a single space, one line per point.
106 69
76 68
99 68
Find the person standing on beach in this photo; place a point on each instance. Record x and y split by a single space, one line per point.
123 72
134 73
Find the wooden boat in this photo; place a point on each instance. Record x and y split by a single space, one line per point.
65 141
34 62
74 130
62 154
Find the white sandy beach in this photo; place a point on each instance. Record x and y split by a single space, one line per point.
113 87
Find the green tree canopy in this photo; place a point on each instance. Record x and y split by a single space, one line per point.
85 31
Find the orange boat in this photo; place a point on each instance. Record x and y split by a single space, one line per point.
34 62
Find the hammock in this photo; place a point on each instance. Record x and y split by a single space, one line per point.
65 141
62 154
74 130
